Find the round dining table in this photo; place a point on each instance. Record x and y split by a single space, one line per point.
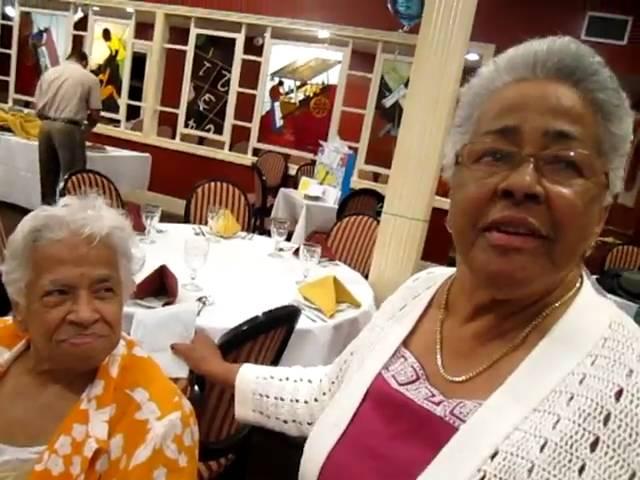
242 279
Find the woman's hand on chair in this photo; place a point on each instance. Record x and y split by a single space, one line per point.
204 358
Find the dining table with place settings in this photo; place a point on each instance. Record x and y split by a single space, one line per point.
306 215
20 169
243 277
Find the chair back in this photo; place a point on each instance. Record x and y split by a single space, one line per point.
352 240
87 181
305 170
623 257
223 194
365 201
274 168
3 242
260 340
259 187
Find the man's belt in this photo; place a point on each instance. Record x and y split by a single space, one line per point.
68 121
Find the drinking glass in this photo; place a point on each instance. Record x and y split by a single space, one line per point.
214 213
310 254
279 232
138 257
196 251
150 217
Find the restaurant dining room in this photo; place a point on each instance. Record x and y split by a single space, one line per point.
253 240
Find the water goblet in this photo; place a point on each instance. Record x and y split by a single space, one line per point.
279 232
196 251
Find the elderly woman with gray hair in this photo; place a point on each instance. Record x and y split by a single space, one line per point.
511 366
79 400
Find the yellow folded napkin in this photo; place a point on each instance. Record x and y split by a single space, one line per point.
225 225
326 293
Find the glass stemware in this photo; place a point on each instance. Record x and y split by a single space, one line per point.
196 251
150 217
279 232
138 257
310 254
214 213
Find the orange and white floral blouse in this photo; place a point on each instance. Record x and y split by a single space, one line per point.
132 422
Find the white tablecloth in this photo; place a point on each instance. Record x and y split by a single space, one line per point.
305 215
244 281
20 170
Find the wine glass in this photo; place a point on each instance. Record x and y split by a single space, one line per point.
214 213
150 217
138 257
310 254
196 251
279 232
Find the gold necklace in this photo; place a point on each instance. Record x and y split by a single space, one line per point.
510 348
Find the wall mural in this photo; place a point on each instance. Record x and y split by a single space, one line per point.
107 61
210 84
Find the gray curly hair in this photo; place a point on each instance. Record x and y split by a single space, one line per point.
88 217
559 58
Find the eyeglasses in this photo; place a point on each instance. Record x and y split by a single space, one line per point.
559 167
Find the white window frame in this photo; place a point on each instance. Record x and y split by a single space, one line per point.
337 107
124 92
225 137
14 48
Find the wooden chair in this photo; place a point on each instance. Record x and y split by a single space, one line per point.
259 199
87 181
223 194
365 201
623 257
304 170
274 168
3 242
260 340
352 240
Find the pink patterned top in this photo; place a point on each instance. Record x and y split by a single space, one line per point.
400 426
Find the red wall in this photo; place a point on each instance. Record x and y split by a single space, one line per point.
508 22
357 13
175 173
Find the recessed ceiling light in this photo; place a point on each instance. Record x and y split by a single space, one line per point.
130 9
472 56
324 33
10 11
96 9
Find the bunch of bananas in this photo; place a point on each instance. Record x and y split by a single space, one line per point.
24 125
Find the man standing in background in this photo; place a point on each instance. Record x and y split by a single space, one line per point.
66 97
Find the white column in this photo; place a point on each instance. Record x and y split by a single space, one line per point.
435 79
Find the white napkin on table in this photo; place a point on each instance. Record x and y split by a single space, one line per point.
156 329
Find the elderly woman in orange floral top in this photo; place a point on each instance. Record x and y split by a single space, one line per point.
78 399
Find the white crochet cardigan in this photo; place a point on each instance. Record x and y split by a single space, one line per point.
571 410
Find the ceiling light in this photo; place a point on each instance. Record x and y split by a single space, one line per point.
95 9
472 56
10 11
130 10
324 33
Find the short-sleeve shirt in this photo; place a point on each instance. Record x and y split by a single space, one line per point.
68 92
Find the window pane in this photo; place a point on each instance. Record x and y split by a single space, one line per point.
135 116
299 97
5 64
167 124
43 42
174 65
210 84
138 72
144 31
4 91
388 113
107 60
